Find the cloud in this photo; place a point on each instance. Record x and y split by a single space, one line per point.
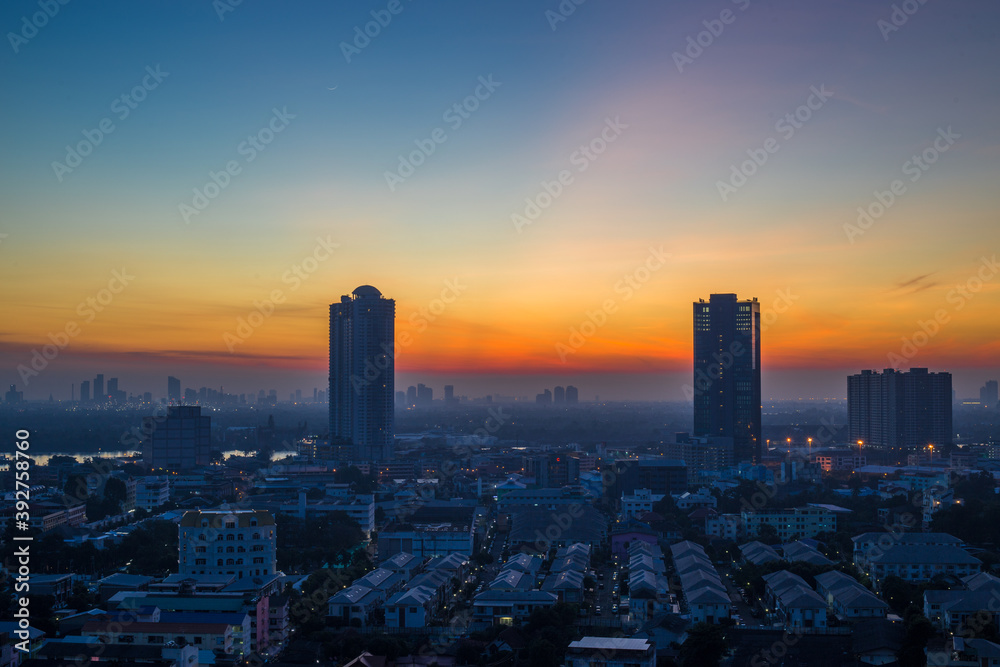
918 284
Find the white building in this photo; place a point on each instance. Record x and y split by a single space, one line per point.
151 493
639 503
239 542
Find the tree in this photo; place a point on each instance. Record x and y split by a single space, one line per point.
76 486
115 491
918 631
542 653
900 594
768 534
704 646
482 557
81 598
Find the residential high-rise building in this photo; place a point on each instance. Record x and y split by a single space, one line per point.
179 441
895 410
727 372
99 394
572 395
559 395
411 396
85 391
362 373
425 395
240 542
988 394
449 394
173 389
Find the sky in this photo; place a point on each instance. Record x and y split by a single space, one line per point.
544 188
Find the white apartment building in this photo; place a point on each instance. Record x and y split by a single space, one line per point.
239 542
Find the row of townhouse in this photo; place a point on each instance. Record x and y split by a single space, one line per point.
405 588
567 571
950 610
847 598
759 553
704 592
516 591
648 584
792 601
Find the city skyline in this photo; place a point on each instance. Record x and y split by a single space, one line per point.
552 167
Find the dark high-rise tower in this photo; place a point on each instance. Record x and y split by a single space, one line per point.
727 372
85 391
173 390
99 394
181 440
988 394
362 370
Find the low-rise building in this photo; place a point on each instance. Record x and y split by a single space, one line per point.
151 493
611 652
503 607
411 608
919 563
797 605
790 524
636 504
355 605
847 598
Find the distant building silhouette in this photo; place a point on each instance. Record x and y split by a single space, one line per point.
114 394
362 373
545 398
572 395
727 372
85 391
425 395
449 394
99 394
411 396
895 410
559 395
14 396
180 441
988 394
173 389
